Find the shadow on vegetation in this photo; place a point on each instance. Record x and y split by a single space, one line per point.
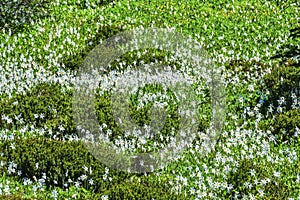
283 84
47 99
86 4
61 161
289 51
17 14
274 189
74 62
285 77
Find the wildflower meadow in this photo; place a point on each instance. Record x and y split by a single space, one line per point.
163 99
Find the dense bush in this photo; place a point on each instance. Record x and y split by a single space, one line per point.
240 97
46 99
244 68
142 190
16 14
273 189
139 116
55 105
239 31
290 50
88 4
284 126
63 161
60 161
285 78
282 82
14 197
75 61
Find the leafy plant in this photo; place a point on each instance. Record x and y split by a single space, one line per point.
282 82
45 99
284 125
16 14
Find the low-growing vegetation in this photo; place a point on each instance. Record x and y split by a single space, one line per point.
255 155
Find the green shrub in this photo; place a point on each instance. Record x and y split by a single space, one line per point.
274 189
242 175
87 4
283 80
16 14
242 69
290 51
139 116
56 158
142 190
11 197
284 125
47 99
75 61
56 105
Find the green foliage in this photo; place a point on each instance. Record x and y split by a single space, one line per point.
140 116
284 125
242 175
244 68
88 4
56 106
239 30
62 161
238 94
142 190
282 82
11 197
59 160
290 51
147 56
75 61
274 189
16 14
47 99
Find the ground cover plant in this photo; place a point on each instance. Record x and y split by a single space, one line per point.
255 44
